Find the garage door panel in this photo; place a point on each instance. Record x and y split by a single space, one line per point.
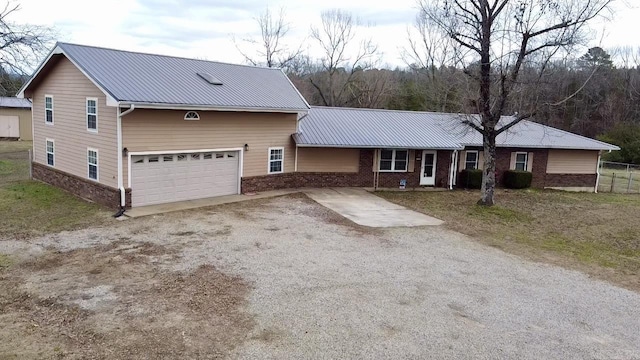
170 178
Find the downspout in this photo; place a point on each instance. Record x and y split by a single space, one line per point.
452 170
598 173
123 200
295 166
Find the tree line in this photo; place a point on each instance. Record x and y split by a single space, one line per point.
595 93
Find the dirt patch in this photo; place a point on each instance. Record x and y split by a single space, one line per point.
117 301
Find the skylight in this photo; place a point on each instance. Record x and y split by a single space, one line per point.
210 78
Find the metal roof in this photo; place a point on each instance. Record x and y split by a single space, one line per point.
138 78
13 102
370 128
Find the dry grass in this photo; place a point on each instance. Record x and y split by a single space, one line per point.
596 233
15 146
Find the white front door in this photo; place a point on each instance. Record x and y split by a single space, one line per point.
428 169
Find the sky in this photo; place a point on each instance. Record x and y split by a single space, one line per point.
206 29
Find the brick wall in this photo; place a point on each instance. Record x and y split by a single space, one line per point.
84 188
539 170
571 180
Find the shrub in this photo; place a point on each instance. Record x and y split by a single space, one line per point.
516 179
470 179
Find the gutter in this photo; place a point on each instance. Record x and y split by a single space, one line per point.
123 200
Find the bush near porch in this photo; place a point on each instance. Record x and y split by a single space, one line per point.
595 233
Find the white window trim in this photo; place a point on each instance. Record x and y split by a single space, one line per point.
53 117
270 161
46 150
192 119
393 161
97 164
477 158
526 160
86 108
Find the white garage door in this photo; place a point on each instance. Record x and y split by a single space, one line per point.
157 179
9 126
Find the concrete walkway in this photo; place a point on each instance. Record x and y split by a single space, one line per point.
366 209
194 204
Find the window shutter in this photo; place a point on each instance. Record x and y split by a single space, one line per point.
411 166
376 160
530 162
480 160
461 160
512 165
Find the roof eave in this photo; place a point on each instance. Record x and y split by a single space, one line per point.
609 148
375 147
164 106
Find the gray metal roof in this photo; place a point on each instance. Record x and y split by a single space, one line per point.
13 102
348 127
131 77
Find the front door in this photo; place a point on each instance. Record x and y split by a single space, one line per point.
428 170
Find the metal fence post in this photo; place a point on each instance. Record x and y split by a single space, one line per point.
30 164
613 181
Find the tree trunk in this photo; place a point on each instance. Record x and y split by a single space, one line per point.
489 172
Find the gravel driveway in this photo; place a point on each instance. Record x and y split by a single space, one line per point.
321 287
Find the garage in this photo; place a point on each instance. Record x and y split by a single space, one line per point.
165 178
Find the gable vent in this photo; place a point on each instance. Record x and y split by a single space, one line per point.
210 78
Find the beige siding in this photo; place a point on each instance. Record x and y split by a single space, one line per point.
25 120
159 130
328 160
70 88
572 162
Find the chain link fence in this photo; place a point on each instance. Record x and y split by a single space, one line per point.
15 166
619 177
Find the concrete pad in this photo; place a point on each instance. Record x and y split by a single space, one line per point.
198 203
366 209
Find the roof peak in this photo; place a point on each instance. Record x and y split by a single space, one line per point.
165 56
395 111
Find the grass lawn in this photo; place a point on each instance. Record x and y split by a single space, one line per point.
12 146
596 233
29 208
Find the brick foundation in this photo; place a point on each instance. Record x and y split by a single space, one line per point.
571 180
86 189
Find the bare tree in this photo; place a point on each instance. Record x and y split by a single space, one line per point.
22 47
270 49
500 39
344 58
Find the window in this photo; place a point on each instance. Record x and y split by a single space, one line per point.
471 160
522 159
92 114
207 156
153 159
48 109
182 157
393 160
191 115
195 156
167 158
50 153
92 161
276 159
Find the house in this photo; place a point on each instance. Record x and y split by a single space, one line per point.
15 118
132 129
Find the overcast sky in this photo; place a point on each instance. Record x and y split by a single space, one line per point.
205 29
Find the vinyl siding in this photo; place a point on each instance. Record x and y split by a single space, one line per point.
159 130
25 120
572 162
328 160
70 88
